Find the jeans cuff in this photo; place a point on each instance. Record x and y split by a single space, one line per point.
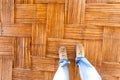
78 59
64 62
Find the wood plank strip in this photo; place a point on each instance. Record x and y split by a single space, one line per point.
6 68
31 13
39 40
107 77
25 11
82 12
104 1
24 1
111 68
75 11
49 75
0 13
6 46
111 44
6 53
77 74
49 1
55 20
21 30
83 32
22 53
39 34
71 69
103 14
7 12
0 28
41 13
43 64
38 1
38 50
0 67
24 74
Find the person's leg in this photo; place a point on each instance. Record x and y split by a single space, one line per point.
86 70
62 72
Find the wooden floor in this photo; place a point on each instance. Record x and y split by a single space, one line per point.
31 32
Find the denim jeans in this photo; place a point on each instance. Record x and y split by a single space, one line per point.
86 70
62 72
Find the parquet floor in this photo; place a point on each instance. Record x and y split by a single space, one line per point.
31 32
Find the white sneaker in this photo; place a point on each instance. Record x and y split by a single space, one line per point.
62 52
79 50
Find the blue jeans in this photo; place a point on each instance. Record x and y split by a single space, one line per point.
86 70
62 72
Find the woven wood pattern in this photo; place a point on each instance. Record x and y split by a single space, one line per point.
31 32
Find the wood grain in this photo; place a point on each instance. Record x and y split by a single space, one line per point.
0 10
94 50
31 13
27 74
43 64
39 40
102 14
22 56
39 34
49 75
54 44
55 21
31 32
20 30
83 32
6 68
103 1
7 11
38 1
111 38
49 1
24 1
0 67
111 68
0 28
75 11
6 46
